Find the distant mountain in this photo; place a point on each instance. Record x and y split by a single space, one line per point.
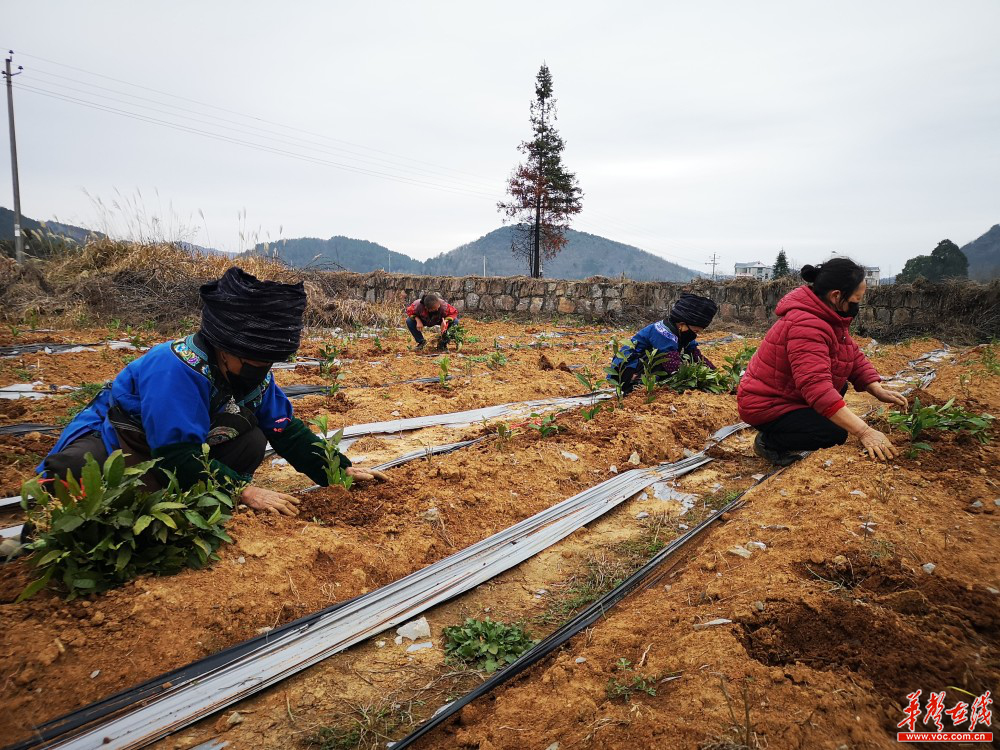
984 255
77 234
340 253
585 255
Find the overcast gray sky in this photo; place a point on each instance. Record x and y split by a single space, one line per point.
868 127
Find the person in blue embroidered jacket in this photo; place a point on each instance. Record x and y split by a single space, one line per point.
212 387
672 338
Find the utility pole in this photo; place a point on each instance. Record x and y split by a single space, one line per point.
713 263
18 236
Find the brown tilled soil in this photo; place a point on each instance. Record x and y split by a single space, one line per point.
847 621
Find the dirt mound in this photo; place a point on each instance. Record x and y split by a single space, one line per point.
896 655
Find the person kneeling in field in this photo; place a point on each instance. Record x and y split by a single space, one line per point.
793 389
214 387
430 310
672 338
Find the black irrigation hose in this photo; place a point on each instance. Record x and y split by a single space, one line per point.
25 427
583 620
105 708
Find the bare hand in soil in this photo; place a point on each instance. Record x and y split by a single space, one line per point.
365 475
877 445
420 324
276 502
888 397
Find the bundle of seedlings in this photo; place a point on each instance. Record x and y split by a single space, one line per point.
107 528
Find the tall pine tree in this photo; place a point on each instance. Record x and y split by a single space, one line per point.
543 194
781 268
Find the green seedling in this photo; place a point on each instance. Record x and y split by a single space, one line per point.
443 365
329 450
485 644
496 360
736 366
946 418
697 376
106 528
652 365
546 426
629 682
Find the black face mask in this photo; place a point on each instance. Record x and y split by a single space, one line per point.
853 308
249 377
685 338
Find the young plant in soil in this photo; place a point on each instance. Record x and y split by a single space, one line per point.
737 365
586 380
651 365
460 335
485 644
614 374
105 529
443 365
329 450
946 417
629 682
369 726
504 435
545 426
328 355
496 360
991 357
697 376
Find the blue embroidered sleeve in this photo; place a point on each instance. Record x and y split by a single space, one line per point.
275 411
173 400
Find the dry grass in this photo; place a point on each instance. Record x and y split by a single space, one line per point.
157 283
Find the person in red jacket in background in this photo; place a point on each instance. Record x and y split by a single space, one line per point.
430 310
793 389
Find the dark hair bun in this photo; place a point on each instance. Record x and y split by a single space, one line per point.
809 273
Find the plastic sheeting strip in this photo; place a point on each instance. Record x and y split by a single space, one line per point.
181 704
595 611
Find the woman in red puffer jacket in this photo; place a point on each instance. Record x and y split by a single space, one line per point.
793 389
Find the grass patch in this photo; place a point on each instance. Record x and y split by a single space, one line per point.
367 726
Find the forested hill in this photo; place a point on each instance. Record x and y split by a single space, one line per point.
984 255
585 255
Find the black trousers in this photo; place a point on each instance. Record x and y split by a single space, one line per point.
243 453
802 430
418 335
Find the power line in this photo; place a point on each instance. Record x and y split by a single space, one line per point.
713 263
248 129
242 114
250 144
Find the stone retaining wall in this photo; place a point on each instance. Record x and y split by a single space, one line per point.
900 309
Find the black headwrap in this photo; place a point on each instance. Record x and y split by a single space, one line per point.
259 320
694 310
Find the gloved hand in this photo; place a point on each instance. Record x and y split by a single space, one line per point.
877 445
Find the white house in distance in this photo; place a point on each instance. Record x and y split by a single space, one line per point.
755 270
873 274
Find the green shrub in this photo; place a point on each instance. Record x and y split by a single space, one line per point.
697 376
737 365
947 417
99 532
486 644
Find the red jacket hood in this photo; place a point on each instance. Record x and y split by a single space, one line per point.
805 299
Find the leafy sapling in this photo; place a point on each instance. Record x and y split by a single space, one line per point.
329 449
544 426
443 365
586 380
652 365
